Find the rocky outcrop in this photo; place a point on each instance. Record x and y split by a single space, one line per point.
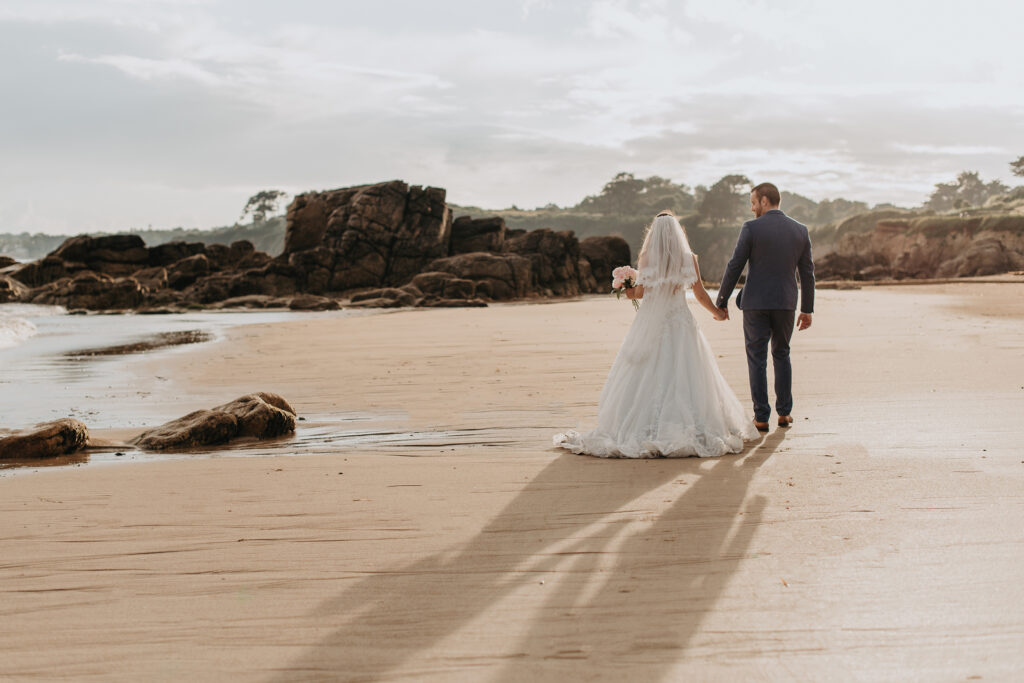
7 261
481 234
47 440
914 246
605 254
89 290
556 266
369 244
260 415
496 276
367 236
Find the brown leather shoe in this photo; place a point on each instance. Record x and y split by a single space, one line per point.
785 420
761 426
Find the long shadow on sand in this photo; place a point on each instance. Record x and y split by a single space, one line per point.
627 585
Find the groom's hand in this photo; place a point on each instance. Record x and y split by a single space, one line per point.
803 321
723 314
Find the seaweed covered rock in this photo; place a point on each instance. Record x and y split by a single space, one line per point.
260 415
46 440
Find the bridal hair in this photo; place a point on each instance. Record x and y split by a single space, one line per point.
665 259
650 226
769 192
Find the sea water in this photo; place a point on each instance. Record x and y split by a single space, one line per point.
43 377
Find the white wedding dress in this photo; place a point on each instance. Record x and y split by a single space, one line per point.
664 396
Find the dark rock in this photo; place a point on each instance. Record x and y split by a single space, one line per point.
403 296
171 252
11 289
508 275
554 259
240 250
83 248
481 234
311 302
605 254
257 259
152 279
217 287
183 273
483 290
459 289
376 235
423 235
253 301
7 261
432 282
982 257
836 266
46 440
116 255
45 270
260 415
93 291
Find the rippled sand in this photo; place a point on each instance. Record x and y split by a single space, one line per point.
433 534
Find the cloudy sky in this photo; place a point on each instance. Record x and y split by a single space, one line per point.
120 114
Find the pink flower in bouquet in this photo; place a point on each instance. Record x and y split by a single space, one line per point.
626 275
623 278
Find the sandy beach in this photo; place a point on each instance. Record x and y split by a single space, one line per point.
877 539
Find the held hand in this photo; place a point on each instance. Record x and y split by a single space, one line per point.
721 314
631 292
803 321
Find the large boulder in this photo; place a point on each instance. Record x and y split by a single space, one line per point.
89 290
376 235
836 266
481 234
507 276
116 255
183 273
47 440
260 415
983 257
554 259
45 270
7 261
605 254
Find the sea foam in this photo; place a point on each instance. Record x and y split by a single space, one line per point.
14 331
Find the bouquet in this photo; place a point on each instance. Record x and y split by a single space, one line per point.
623 278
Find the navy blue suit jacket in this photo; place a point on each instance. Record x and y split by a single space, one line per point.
776 247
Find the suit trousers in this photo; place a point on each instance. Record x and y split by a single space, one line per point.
760 327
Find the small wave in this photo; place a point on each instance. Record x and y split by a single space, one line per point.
14 331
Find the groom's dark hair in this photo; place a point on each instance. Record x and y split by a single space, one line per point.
769 192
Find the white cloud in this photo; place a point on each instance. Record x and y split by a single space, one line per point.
150 69
520 101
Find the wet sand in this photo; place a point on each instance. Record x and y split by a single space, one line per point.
877 539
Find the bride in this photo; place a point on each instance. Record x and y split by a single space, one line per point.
664 395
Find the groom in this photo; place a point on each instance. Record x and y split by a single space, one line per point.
776 247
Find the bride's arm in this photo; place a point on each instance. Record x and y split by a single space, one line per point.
702 294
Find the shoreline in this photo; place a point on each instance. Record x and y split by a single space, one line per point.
310 437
